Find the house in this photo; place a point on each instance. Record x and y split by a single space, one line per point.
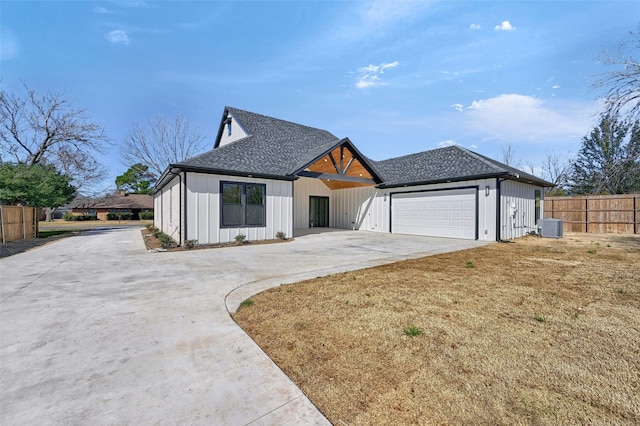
265 175
122 203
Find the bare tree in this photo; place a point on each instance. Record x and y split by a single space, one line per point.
509 156
47 130
161 142
556 169
623 82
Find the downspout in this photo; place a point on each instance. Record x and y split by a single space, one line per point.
183 225
293 209
161 221
498 210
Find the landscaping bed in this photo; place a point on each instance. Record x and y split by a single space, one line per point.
537 331
153 241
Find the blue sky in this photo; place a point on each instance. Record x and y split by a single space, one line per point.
395 77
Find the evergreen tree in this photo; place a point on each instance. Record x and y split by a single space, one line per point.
34 185
137 180
609 160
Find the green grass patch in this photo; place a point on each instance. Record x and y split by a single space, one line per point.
412 331
47 234
246 303
540 318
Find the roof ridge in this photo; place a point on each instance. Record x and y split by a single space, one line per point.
416 153
480 157
231 109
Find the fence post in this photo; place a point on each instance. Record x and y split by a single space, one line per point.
24 229
586 214
2 225
635 214
36 221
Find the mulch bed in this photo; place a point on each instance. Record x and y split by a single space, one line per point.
153 244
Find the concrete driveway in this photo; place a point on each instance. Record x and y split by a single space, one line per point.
95 330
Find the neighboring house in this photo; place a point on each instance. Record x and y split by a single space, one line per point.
124 203
266 175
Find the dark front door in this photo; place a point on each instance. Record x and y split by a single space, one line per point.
318 212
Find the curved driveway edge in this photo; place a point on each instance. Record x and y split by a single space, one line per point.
93 329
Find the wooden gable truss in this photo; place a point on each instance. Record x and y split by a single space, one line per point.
341 167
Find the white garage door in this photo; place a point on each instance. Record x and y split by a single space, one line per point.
450 213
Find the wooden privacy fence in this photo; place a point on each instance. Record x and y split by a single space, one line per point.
18 223
618 214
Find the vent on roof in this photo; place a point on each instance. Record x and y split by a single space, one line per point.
550 228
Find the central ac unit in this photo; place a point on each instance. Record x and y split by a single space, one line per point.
550 228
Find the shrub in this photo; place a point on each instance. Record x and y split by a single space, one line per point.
69 217
166 241
80 217
119 216
189 244
240 238
145 215
281 235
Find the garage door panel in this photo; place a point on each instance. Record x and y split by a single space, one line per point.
448 213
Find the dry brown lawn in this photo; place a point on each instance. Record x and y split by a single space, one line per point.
538 331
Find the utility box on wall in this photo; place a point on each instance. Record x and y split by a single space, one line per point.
550 228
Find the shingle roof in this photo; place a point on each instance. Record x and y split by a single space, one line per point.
278 148
452 163
274 147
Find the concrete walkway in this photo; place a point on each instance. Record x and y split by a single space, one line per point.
95 330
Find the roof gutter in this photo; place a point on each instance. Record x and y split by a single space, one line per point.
170 172
210 171
435 181
504 176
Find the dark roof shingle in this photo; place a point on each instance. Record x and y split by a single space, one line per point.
274 147
279 148
452 163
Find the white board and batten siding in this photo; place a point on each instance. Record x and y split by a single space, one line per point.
348 208
517 216
357 208
167 209
237 132
203 210
304 188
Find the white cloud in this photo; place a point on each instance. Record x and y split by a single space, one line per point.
505 26
102 10
8 45
383 12
369 76
557 86
448 142
458 107
513 118
474 26
118 37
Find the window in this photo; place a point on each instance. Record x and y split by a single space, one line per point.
537 197
229 126
243 204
